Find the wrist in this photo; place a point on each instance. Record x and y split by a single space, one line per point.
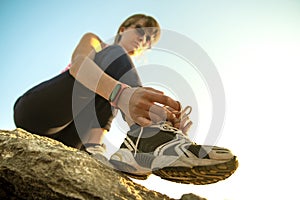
124 101
116 93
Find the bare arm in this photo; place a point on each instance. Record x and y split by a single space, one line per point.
86 71
136 103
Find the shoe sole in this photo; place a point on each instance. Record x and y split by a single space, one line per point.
198 175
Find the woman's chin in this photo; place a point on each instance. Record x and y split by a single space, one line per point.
131 53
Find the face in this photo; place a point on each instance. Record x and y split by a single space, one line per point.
136 38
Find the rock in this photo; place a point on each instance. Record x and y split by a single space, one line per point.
36 167
191 197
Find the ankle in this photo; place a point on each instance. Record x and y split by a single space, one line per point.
95 136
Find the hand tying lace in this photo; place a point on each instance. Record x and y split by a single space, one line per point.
181 119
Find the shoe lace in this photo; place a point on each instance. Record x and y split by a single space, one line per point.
184 114
137 141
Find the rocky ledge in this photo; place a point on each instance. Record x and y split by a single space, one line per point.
35 167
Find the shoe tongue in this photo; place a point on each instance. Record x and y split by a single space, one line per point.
150 139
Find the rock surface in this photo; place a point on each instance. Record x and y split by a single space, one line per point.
35 167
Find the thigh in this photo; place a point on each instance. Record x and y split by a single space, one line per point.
97 114
47 108
68 136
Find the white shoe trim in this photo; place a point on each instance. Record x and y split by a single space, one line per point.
175 161
126 156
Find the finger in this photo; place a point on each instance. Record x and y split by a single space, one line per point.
173 104
158 112
179 109
171 110
142 121
154 95
177 125
170 116
165 113
164 100
156 118
152 114
153 90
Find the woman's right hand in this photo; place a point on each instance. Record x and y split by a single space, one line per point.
141 105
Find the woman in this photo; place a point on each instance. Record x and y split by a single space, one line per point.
48 109
66 108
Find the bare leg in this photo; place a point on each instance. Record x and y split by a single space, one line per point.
95 136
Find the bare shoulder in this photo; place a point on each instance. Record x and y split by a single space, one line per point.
88 45
89 35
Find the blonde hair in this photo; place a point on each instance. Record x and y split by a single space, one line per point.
149 22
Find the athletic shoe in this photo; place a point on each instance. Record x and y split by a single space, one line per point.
166 152
97 151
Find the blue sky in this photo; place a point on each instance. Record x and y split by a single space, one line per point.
254 45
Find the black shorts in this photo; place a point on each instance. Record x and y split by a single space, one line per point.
63 109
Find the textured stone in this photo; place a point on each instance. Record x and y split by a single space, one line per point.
191 197
35 167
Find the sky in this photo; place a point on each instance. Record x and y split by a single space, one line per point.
254 46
